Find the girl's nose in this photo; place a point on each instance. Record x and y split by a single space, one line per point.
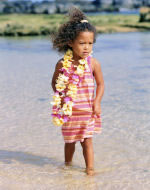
86 46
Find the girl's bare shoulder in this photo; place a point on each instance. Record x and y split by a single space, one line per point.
59 64
94 63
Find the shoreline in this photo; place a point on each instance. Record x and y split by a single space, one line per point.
44 25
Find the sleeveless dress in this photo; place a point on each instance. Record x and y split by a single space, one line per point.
82 123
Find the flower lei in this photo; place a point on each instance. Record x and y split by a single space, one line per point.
66 88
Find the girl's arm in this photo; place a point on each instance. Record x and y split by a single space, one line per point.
55 75
100 86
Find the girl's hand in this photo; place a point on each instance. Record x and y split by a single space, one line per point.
96 107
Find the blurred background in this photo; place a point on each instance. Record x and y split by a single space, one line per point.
26 17
61 6
31 148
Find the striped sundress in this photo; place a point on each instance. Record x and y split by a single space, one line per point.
82 123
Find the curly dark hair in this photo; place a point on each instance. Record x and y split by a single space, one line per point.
71 29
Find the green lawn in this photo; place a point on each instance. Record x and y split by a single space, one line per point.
41 24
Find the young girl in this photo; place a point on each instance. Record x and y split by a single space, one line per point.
74 105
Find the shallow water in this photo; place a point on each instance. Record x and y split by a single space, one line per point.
31 149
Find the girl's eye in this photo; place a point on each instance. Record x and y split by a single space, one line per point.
85 43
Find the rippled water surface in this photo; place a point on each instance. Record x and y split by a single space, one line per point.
31 148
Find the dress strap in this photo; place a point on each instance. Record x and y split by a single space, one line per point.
89 63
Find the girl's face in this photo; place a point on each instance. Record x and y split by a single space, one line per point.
82 45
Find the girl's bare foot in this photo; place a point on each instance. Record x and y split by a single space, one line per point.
90 171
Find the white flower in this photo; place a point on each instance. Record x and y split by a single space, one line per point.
80 70
71 94
62 78
82 61
67 108
72 87
61 82
60 87
56 100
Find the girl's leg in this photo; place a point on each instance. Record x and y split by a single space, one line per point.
88 154
69 151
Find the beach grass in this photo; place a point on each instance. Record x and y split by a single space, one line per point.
42 24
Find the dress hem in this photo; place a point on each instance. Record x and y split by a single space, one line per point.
82 140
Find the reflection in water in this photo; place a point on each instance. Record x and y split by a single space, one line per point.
31 149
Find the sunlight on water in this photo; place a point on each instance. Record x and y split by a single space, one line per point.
31 149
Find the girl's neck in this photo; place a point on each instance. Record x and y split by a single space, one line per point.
75 62
76 58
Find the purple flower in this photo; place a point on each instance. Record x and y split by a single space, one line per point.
56 115
67 99
66 118
75 76
62 69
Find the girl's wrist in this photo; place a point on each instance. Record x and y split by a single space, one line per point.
97 100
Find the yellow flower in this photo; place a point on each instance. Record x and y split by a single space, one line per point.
66 64
69 53
61 82
71 94
60 87
72 90
67 58
72 87
62 79
56 100
80 70
58 122
67 108
82 61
